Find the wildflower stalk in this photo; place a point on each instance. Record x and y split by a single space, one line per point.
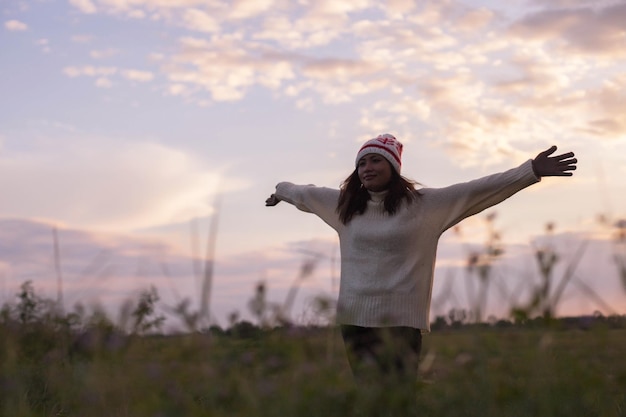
481 263
306 270
57 268
567 276
209 263
620 250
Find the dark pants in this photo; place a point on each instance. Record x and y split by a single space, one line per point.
384 362
389 349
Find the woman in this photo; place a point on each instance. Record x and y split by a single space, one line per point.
388 234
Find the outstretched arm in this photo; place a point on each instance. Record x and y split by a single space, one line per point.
545 165
320 201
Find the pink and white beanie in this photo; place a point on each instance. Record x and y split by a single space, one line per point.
387 146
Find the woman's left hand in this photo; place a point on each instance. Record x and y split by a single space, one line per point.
554 166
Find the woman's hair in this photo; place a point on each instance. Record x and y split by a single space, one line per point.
353 196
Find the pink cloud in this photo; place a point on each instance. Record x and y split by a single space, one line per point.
583 30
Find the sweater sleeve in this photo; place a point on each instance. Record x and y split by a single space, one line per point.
456 202
320 201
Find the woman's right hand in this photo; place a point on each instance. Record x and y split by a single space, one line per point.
545 165
272 201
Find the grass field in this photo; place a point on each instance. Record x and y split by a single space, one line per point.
47 368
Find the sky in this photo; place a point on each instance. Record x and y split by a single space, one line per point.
142 137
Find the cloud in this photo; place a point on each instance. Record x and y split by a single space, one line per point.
458 74
96 268
475 20
137 14
15 26
555 4
103 82
136 75
304 33
82 38
118 187
340 7
244 9
606 117
225 67
177 89
103 53
397 9
85 6
89 71
587 30
201 21
341 69
104 74
545 82
109 268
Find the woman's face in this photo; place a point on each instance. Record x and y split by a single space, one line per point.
374 172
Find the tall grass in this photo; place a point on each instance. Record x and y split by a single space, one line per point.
78 364
620 249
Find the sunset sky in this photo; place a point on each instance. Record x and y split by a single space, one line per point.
128 124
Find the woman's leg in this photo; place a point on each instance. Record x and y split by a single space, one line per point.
384 362
362 344
406 345
393 350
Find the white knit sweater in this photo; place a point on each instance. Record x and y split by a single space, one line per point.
388 261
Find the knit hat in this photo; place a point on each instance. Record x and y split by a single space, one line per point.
386 145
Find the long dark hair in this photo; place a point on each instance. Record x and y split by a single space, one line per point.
353 197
